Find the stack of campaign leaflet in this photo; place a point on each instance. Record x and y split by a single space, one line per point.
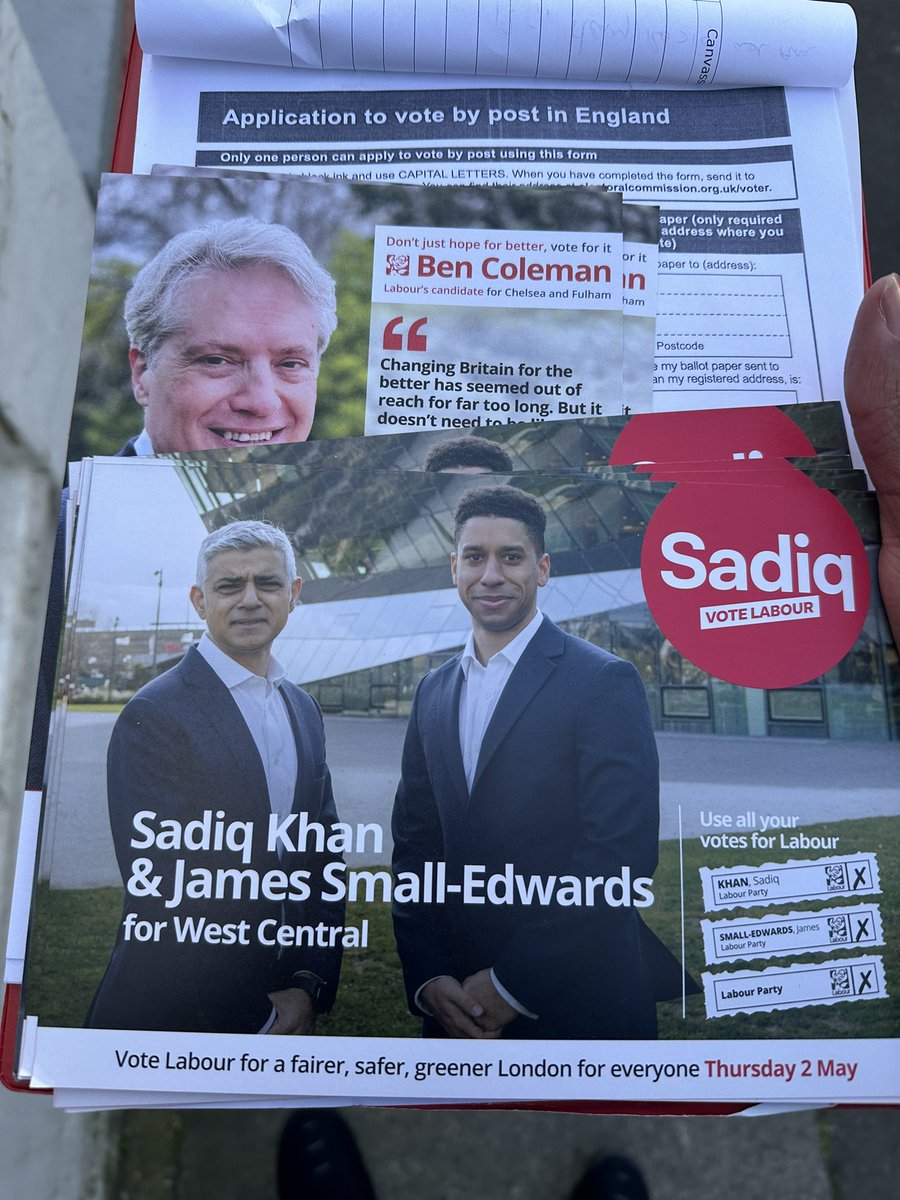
740 587
611 279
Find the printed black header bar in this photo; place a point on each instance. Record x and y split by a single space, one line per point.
744 114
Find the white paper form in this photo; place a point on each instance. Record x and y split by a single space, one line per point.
760 181
678 42
733 327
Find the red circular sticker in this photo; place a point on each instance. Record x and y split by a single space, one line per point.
763 586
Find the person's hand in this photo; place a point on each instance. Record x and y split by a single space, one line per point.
294 1012
454 1009
872 387
497 1011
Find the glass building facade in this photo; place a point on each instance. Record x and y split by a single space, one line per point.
378 610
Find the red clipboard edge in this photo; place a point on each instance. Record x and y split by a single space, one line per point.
9 1024
126 124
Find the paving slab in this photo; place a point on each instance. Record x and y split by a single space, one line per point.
826 1154
862 1152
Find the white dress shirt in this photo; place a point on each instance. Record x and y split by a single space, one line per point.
142 443
482 688
263 707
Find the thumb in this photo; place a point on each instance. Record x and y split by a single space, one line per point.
872 387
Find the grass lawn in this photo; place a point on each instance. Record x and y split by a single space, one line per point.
73 932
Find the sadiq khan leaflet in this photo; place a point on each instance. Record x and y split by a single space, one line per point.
762 890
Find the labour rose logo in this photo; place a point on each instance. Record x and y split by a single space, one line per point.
396 264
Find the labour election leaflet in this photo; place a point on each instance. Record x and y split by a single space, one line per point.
527 323
761 251
739 589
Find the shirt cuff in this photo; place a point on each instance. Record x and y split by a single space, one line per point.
511 1000
420 1005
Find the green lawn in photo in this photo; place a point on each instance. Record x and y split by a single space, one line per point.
73 933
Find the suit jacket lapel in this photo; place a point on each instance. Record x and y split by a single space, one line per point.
233 740
305 749
448 731
527 679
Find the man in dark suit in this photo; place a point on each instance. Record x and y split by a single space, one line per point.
529 757
204 763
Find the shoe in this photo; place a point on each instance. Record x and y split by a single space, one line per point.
318 1159
612 1178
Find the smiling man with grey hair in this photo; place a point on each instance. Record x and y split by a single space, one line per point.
223 740
226 325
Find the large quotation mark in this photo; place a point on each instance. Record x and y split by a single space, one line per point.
393 335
